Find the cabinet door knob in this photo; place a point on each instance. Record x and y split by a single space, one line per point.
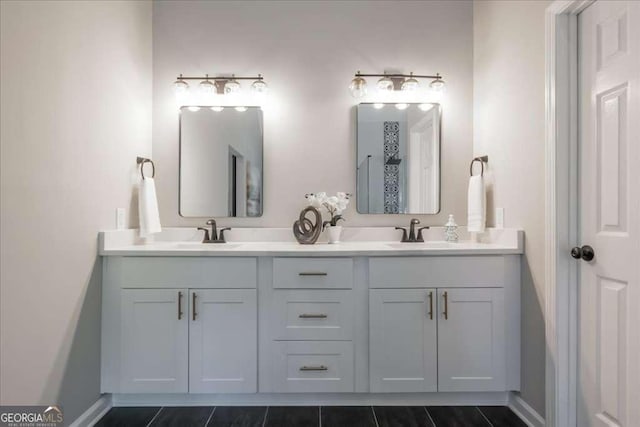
585 253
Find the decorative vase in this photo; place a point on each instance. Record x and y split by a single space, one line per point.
334 233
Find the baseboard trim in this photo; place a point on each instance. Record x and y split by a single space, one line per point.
524 411
321 399
96 411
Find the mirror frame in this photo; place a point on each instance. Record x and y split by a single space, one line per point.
439 125
180 160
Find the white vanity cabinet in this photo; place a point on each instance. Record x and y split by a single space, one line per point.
293 326
179 325
446 324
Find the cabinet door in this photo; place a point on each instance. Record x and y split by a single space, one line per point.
403 356
223 353
154 341
471 339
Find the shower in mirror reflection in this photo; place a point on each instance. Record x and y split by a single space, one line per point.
398 158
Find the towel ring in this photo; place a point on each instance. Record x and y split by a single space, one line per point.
141 161
482 160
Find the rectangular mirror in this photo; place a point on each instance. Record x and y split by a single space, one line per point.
221 162
398 159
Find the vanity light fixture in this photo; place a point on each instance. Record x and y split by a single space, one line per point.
209 85
378 105
217 109
410 83
402 106
194 109
241 109
425 107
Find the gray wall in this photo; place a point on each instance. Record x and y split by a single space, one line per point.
508 125
75 111
308 52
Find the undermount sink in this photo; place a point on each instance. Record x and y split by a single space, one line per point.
419 245
205 246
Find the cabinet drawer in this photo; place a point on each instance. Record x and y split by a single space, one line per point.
308 367
309 273
186 272
425 272
312 315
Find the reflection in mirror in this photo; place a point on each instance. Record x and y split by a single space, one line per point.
220 162
398 169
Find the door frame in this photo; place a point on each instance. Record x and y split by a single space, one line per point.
562 220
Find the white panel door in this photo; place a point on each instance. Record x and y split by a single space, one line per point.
403 340
471 339
154 341
609 285
223 339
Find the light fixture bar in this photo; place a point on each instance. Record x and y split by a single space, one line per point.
394 75
258 77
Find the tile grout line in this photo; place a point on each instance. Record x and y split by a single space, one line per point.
264 420
210 416
430 417
484 416
375 417
155 416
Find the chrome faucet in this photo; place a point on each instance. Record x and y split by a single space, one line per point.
213 236
413 237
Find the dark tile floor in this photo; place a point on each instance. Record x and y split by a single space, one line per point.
313 416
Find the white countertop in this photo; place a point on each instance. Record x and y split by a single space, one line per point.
273 242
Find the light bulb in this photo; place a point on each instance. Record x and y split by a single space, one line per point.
410 84
207 87
378 105
241 109
385 84
425 107
358 87
217 109
180 87
194 109
402 106
437 85
231 86
259 86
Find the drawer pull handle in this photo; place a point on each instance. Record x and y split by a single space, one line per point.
445 296
312 316
179 305
312 273
431 305
314 368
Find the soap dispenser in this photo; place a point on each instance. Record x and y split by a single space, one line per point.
451 230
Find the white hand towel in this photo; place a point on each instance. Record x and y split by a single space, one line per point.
148 208
476 205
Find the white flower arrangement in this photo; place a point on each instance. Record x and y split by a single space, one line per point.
335 205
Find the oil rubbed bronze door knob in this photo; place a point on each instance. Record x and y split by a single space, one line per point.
586 253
